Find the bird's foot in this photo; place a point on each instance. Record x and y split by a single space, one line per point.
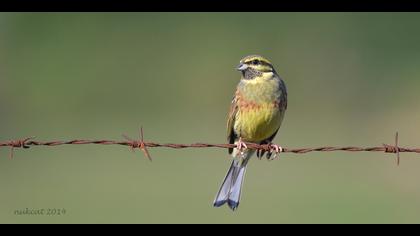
276 149
241 146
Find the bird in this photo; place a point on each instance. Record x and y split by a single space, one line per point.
256 113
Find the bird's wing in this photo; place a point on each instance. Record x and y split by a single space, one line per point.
231 135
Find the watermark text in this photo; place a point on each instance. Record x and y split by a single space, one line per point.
40 212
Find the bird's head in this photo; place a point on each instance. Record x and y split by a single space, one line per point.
255 64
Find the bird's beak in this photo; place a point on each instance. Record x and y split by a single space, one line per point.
242 67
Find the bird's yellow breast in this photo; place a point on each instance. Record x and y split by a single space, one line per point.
256 123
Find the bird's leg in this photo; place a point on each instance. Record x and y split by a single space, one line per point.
241 146
274 148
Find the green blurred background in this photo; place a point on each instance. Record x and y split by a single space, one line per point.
353 79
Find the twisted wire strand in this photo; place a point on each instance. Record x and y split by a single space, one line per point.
144 145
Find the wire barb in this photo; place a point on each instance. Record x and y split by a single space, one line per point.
20 143
139 143
394 149
143 146
398 149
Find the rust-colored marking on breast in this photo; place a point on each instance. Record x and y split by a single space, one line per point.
246 105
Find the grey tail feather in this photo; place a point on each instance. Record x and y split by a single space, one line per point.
230 191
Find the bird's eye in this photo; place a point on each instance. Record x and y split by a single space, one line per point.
255 62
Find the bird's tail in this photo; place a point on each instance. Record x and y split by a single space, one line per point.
230 191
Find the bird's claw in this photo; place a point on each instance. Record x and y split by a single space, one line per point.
241 146
276 149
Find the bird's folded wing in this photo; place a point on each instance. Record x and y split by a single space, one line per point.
231 136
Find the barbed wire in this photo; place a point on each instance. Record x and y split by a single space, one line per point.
144 145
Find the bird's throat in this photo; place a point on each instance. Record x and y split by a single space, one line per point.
250 74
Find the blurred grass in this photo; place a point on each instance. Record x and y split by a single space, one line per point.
352 80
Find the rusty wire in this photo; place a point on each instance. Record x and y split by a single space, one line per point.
143 145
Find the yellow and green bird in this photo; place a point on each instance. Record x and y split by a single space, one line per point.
255 116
